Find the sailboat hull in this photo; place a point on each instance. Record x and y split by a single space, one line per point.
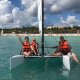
17 60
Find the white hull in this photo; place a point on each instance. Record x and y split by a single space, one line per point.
17 60
66 62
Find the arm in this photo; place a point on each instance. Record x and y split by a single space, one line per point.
20 40
51 47
37 46
57 48
35 51
32 48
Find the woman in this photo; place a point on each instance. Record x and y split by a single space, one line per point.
34 46
27 51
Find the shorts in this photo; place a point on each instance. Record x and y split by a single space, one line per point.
65 51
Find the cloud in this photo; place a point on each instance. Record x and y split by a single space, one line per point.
70 20
5 12
28 16
22 17
35 24
13 16
30 7
6 18
55 9
59 6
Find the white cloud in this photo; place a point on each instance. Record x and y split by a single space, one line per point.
70 20
32 10
5 12
28 16
30 7
58 6
6 18
35 24
55 8
15 11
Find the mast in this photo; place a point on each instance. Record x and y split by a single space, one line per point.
41 22
42 27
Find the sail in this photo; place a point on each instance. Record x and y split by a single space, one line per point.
1 32
40 15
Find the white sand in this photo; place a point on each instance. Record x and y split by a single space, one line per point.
40 35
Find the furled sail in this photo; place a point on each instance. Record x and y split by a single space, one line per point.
40 15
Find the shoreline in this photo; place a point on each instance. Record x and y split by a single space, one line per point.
23 35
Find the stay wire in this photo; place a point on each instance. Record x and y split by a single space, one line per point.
46 46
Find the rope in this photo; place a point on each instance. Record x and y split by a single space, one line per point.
55 39
46 45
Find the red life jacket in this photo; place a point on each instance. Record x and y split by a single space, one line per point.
33 44
26 46
64 47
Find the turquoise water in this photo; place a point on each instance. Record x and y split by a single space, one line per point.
37 69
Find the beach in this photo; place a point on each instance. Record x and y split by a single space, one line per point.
23 35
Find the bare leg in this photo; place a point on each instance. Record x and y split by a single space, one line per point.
75 57
27 53
57 54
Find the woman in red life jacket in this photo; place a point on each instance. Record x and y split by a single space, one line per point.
34 46
65 49
26 47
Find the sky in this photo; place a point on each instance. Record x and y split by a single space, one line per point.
21 13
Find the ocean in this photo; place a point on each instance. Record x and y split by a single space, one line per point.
37 69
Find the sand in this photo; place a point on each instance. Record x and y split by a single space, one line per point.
40 35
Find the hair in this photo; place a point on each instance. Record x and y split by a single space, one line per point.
61 37
27 38
34 38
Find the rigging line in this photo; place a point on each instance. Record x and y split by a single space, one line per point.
64 33
55 39
46 45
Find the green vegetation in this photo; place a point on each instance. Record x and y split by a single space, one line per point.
35 30
63 30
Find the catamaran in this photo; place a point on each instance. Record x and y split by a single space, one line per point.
16 60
